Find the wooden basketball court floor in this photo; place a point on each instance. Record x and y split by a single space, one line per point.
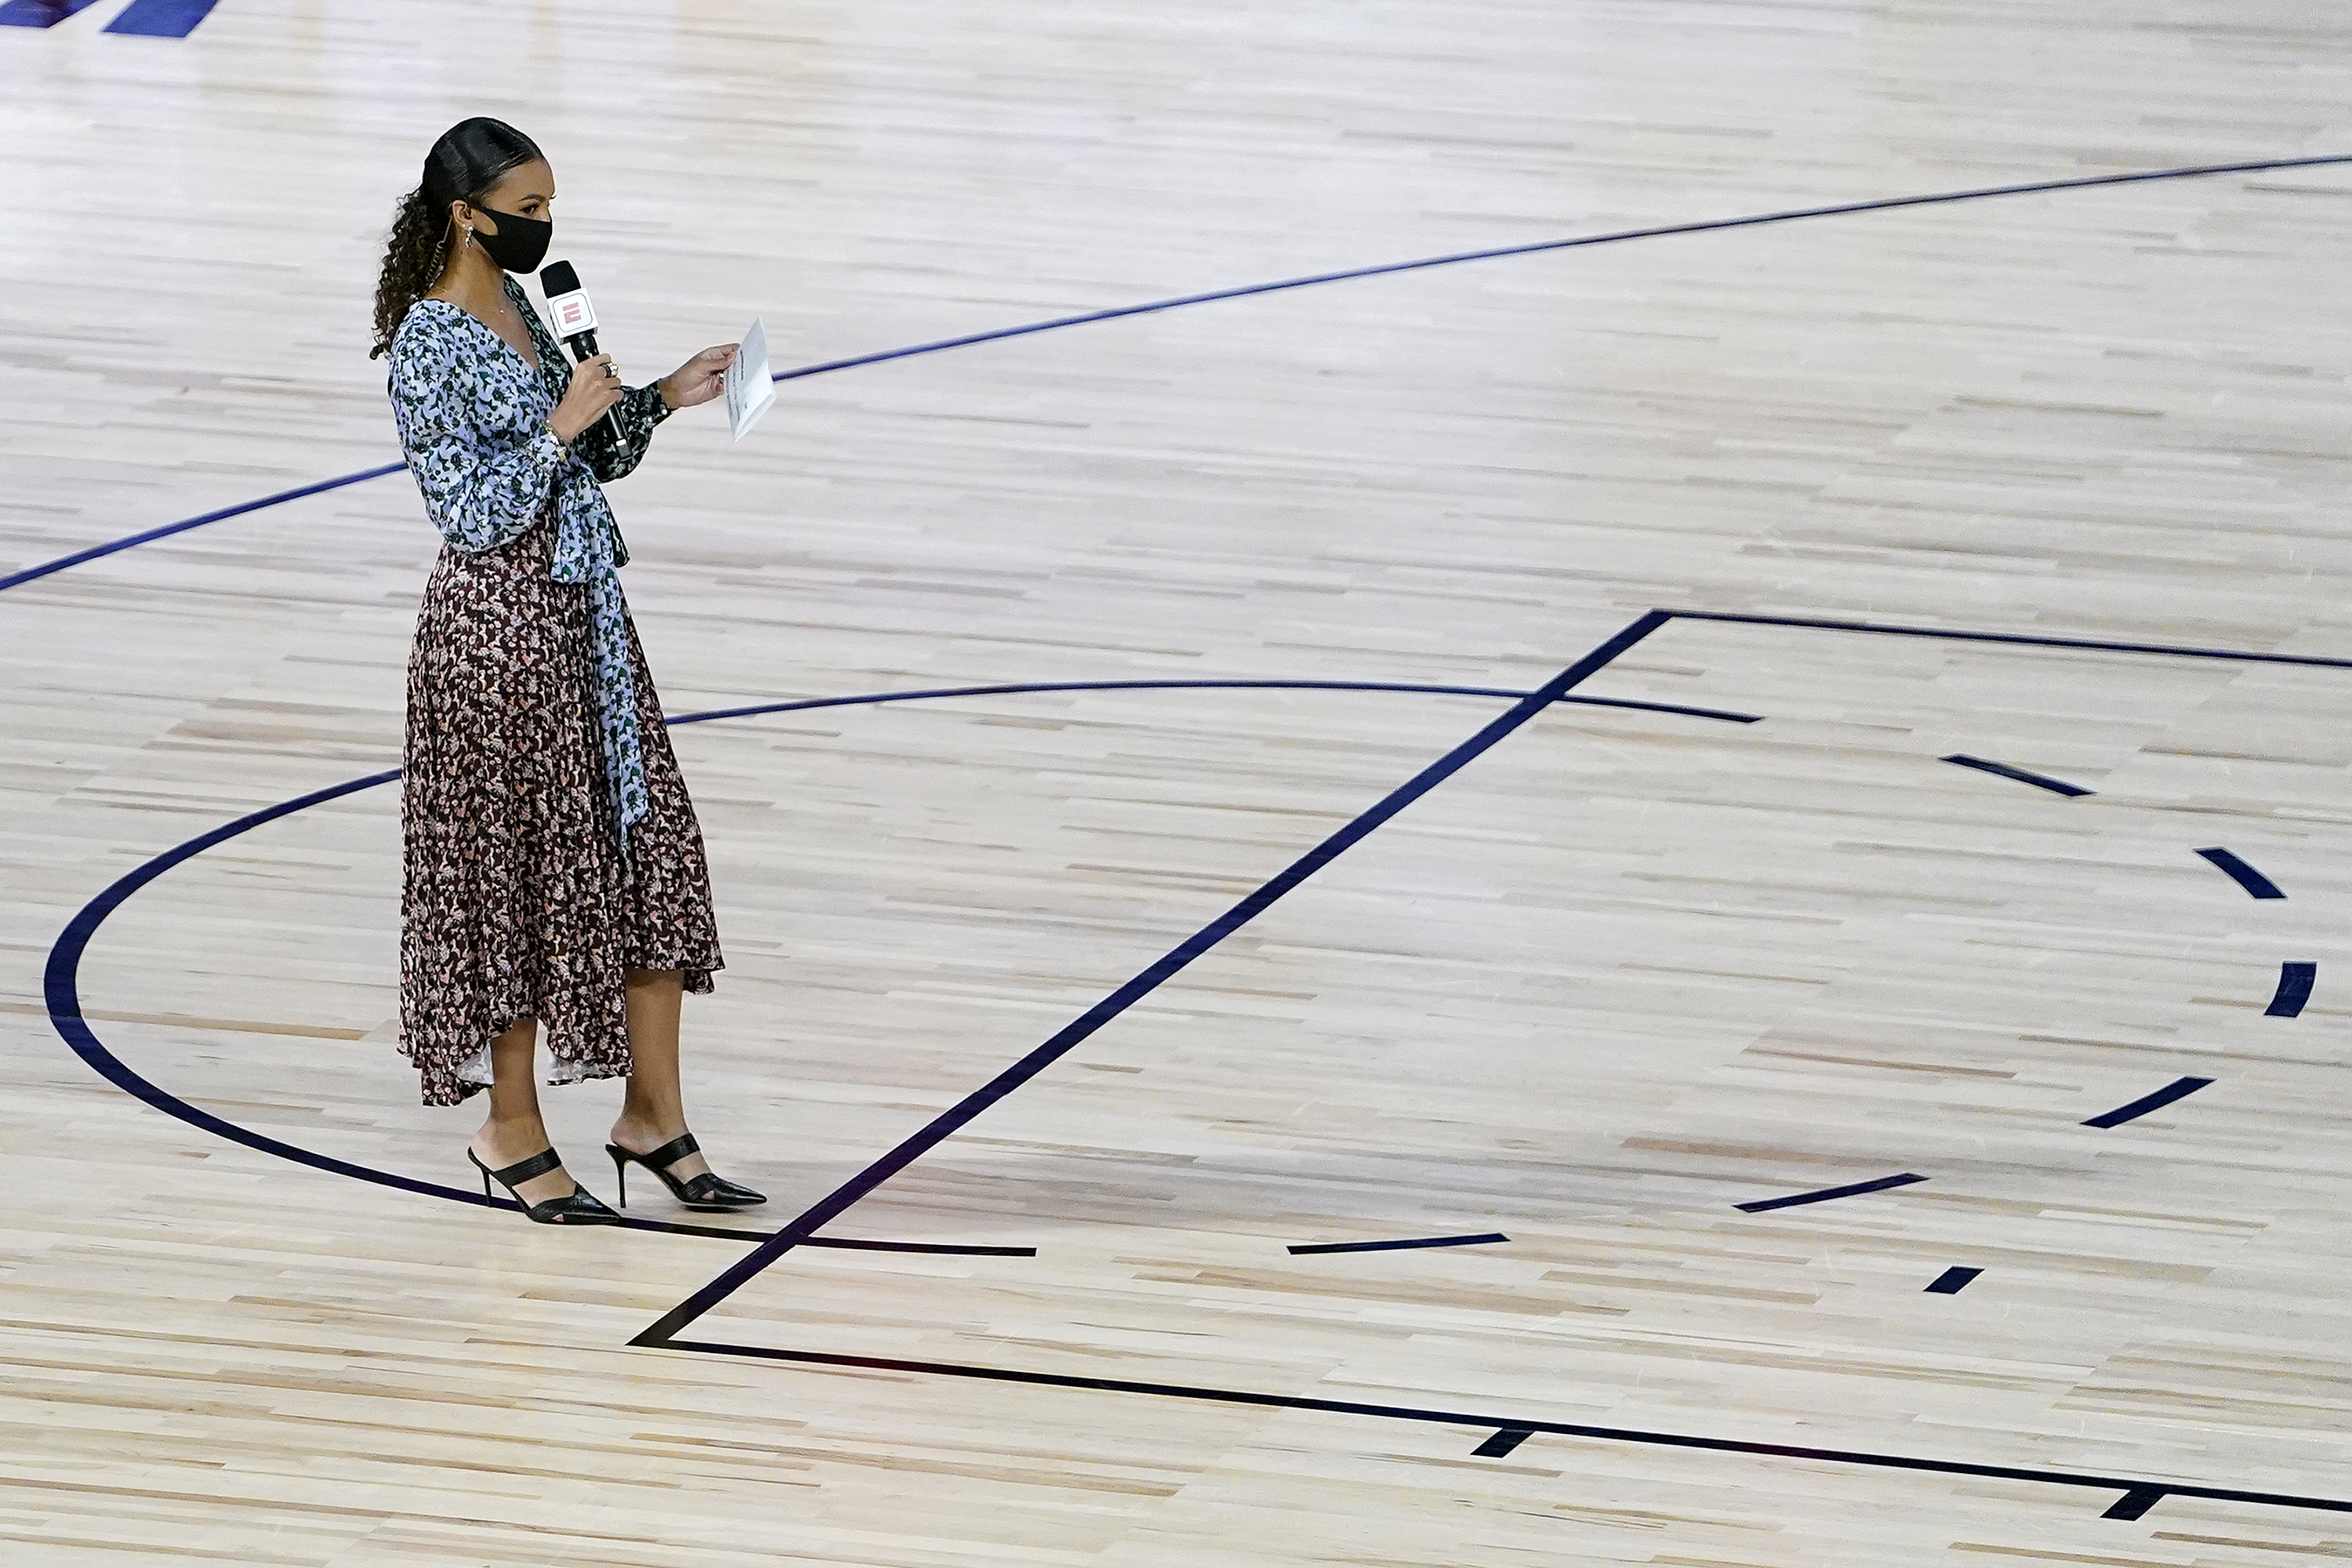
1945 806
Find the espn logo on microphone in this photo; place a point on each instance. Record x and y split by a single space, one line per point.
574 314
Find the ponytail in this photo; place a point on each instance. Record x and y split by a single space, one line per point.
419 244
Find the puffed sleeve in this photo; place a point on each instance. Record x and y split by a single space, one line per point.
640 409
477 494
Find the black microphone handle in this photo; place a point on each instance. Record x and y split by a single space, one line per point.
584 348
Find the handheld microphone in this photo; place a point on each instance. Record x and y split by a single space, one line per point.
575 321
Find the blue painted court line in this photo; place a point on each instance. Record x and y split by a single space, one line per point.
2039 781
2179 1088
1617 237
758 709
2134 1494
2011 639
165 532
40 12
162 19
1952 1281
1454 259
1399 1246
2254 882
2295 980
801 704
1762 1204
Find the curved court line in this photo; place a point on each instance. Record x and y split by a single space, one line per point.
2256 885
1615 237
95 551
2002 770
760 708
1451 259
2295 980
2179 1088
61 980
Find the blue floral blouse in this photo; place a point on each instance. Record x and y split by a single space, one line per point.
473 422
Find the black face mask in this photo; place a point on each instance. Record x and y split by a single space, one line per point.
520 244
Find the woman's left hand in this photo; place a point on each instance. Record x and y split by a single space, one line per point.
698 380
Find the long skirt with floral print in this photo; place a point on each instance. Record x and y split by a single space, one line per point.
516 900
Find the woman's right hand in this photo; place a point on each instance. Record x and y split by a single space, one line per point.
596 387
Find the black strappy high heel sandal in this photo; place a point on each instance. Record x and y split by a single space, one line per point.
579 1206
708 1191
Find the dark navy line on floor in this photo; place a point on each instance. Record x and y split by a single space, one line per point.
1399 1246
2040 781
30 573
841 1243
2130 1489
2245 875
952 1248
1952 1281
2179 1088
39 13
162 19
1826 1193
1501 1443
61 986
2014 639
1536 248
1886 204
946 1124
798 704
62 982
2294 984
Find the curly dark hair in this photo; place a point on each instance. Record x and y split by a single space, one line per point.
470 157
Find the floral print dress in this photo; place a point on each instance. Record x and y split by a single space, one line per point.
548 844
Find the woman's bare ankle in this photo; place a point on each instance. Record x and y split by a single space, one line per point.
500 1143
641 1132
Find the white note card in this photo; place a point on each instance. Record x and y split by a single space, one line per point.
750 393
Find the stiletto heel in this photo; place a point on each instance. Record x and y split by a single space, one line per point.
579 1206
620 1169
708 1191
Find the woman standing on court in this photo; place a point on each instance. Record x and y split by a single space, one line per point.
553 872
